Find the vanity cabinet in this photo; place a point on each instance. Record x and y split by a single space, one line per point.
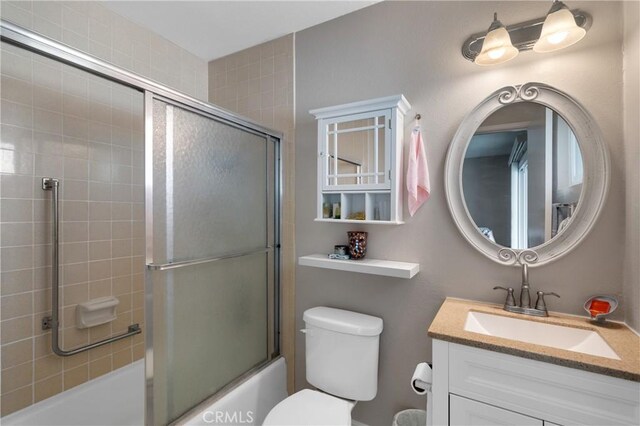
478 386
360 161
467 412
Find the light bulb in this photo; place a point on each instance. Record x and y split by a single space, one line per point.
496 53
559 30
558 37
496 47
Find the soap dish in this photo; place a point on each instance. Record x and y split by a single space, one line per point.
600 307
96 312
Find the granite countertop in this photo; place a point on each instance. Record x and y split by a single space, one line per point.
448 325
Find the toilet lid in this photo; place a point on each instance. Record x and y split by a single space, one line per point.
309 407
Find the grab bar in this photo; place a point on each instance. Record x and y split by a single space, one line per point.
175 265
53 322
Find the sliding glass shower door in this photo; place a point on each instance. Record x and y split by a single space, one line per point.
211 254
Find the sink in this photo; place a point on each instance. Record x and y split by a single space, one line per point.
539 333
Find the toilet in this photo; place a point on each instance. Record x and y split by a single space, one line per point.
342 364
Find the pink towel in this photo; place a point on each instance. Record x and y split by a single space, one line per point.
418 183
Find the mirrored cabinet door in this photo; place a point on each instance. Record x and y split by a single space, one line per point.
360 161
356 151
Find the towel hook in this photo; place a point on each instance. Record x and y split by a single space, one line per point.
418 117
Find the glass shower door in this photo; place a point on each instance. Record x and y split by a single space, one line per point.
211 233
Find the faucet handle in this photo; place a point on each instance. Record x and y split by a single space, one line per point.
511 300
540 303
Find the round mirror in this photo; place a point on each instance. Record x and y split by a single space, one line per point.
527 170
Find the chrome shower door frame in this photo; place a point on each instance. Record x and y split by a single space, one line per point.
45 46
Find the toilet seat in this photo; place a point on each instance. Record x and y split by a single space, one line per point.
309 407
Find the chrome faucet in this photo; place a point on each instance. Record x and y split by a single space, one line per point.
525 308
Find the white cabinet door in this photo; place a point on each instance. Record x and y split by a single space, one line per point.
467 412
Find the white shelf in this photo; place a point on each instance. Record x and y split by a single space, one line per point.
387 268
364 222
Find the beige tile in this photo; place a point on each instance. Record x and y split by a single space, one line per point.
16 329
74 294
16 377
99 191
121 267
75 361
99 367
16 114
47 388
42 301
101 351
75 190
16 258
75 252
99 250
42 255
75 273
121 211
121 230
138 351
17 400
126 301
122 358
75 232
72 337
42 345
76 148
99 211
75 211
75 376
121 285
17 186
16 353
47 366
16 306
16 211
99 270
99 332
16 138
76 168
99 231
16 234
100 288
121 248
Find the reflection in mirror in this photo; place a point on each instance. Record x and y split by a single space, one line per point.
522 175
357 152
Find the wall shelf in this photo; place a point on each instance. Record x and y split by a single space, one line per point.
387 268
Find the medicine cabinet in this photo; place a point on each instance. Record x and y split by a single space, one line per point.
360 161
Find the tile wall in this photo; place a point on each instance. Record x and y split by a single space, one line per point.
58 121
91 27
259 83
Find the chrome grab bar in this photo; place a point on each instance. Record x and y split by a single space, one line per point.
53 322
176 265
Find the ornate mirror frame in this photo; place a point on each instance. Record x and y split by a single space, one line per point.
595 160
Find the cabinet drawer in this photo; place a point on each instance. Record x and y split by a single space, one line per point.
558 394
467 412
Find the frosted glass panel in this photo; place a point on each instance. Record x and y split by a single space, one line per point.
214 329
210 186
214 188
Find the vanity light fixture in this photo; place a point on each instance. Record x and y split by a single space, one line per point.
560 28
496 47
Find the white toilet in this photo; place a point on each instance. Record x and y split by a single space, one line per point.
342 363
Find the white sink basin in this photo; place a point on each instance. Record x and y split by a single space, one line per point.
539 333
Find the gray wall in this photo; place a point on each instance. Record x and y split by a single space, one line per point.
414 48
487 192
632 165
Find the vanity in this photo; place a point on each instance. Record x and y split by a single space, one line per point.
526 178
591 377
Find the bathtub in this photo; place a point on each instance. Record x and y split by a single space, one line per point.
117 398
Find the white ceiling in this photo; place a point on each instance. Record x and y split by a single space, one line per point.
212 29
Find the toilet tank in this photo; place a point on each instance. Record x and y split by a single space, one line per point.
342 352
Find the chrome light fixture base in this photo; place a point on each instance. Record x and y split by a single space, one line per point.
523 35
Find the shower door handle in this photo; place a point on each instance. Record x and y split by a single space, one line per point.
53 322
